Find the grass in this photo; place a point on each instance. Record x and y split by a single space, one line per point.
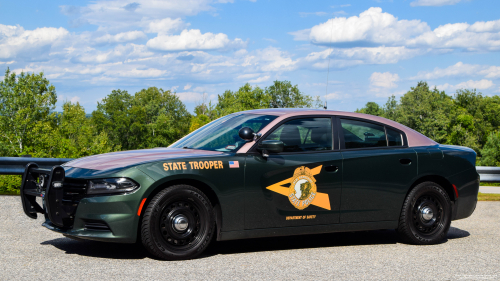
488 197
9 192
488 184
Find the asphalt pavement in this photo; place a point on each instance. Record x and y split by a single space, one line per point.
471 251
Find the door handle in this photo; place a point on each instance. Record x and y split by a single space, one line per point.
331 169
405 161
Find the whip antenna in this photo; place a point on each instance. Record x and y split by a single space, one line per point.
329 56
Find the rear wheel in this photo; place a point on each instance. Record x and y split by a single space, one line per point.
178 223
426 215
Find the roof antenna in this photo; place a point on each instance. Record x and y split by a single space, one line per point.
329 55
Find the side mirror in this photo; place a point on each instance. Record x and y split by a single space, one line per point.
246 134
273 146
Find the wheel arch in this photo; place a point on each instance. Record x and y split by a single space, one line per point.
202 186
442 181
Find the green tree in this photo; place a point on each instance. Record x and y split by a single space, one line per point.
151 118
391 108
371 108
246 98
491 151
283 95
469 120
426 111
113 117
160 118
26 102
204 113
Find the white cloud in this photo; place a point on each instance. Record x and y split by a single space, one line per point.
301 35
460 69
64 98
382 83
373 27
166 26
385 80
116 14
119 53
271 40
190 96
458 36
471 84
335 96
194 40
341 58
488 26
247 76
188 86
386 94
272 59
434 2
121 37
75 99
139 73
260 79
15 40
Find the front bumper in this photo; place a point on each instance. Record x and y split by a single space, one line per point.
104 218
70 211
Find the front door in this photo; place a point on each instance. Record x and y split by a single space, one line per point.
378 170
301 185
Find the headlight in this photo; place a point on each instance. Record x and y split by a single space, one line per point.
113 185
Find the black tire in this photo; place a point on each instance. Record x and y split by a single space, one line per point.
415 227
161 236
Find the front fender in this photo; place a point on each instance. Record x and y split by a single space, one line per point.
227 183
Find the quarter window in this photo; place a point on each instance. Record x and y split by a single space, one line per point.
359 134
394 138
306 134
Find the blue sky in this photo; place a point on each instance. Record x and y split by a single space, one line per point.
200 48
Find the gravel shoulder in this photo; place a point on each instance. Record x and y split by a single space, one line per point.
471 252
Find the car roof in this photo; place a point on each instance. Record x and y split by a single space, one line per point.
414 138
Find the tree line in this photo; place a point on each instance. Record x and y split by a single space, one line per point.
153 117
467 119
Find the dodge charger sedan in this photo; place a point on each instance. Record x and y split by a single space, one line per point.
261 173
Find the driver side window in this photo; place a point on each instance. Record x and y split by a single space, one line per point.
306 134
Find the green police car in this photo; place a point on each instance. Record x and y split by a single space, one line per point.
260 173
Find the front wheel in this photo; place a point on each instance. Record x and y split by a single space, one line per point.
178 223
426 215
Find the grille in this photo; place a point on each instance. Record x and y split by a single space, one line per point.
74 190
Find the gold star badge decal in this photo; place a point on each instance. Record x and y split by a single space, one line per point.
302 191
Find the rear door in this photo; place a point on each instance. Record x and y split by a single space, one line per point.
378 170
301 185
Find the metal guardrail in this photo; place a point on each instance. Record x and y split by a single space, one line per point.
488 174
16 165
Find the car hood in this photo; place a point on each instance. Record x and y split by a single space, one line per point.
122 159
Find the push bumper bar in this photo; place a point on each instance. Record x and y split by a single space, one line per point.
59 206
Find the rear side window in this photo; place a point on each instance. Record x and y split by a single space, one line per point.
306 134
394 137
359 134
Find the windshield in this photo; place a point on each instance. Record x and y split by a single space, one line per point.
222 134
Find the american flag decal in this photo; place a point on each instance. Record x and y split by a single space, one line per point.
234 164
